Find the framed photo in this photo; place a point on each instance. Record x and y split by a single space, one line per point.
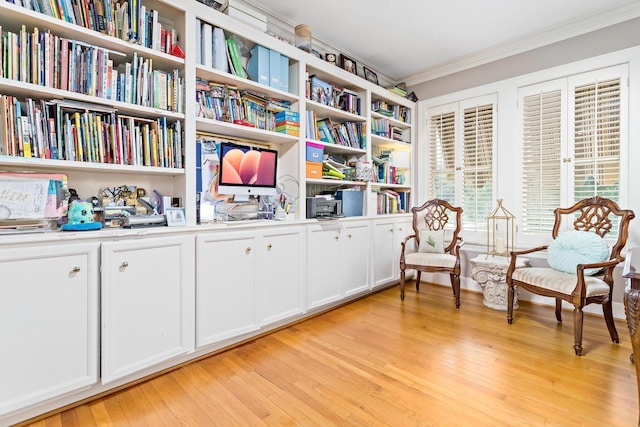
348 64
175 217
370 75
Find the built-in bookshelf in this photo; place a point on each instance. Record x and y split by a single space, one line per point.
93 96
392 137
111 102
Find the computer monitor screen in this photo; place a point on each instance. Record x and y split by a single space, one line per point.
246 170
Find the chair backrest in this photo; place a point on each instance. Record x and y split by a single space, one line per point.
434 215
597 214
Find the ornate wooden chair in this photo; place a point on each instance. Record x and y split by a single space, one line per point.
438 246
580 263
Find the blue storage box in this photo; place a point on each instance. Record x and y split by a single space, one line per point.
352 202
315 152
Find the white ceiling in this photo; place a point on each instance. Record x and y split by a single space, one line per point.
411 38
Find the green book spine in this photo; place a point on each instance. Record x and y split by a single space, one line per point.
235 58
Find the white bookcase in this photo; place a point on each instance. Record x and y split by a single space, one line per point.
87 177
276 240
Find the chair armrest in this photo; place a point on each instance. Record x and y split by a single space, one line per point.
514 257
603 264
404 244
456 248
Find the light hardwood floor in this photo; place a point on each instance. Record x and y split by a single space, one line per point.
383 362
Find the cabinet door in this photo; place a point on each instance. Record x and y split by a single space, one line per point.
48 322
147 303
281 277
384 251
324 265
226 286
356 259
404 228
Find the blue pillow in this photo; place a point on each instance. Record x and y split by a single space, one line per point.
577 247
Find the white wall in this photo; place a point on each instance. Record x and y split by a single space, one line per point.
483 80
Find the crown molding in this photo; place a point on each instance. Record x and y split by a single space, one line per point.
285 30
551 35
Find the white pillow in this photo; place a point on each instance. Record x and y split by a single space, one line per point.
577 247
431 241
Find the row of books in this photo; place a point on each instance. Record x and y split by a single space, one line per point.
68 130
397 112
384 171
382 127
348 134
128 20
227 103
45 59
333 96
391 202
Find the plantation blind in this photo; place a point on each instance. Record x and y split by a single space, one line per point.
597 140
478 166
541 160
442 156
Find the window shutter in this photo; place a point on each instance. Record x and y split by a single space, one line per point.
541 160
478 166
597 140
442 156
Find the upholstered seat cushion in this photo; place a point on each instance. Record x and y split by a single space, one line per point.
431 259
548 278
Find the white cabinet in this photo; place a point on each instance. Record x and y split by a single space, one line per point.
337 261
281 287
226 264
48 322
148 303
355 258
248 279
384 232
388 234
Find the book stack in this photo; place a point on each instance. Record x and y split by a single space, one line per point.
399 89
70 130
227 103
128 20
288 122
45 59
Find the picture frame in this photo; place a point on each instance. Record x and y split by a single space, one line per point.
348 64
175 217
370 75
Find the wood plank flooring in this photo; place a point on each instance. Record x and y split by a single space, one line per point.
383 362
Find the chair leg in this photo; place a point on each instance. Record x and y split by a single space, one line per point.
559 310
578 317
608 317
401 285
510 294
418 281
455 284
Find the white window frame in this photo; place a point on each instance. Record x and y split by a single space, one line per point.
472 231
567 86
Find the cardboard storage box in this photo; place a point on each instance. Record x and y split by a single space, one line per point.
315 152
314 170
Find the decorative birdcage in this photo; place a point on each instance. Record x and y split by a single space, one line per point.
501 231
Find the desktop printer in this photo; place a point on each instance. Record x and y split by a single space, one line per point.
319 207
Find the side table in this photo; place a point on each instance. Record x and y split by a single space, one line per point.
491 274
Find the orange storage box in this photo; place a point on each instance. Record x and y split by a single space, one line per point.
314 170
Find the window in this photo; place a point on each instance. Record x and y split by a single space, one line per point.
477 168
571 143
442 160
461 152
